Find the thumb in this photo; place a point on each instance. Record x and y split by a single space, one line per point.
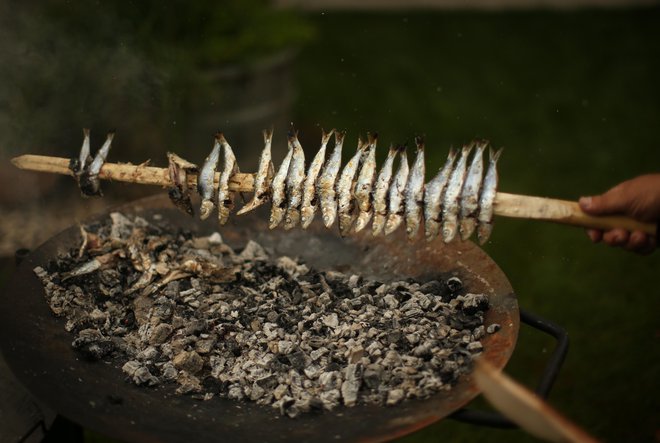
611 202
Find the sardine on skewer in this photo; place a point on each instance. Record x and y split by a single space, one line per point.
396 194
345 188
206 181
294 181
229 168
77 165
451 200
470 192
310 194
433 195
179 192
327 181
414 195
380 192
278 191
89 182
487 198
365 183
263 176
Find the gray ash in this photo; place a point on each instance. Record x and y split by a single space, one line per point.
172 308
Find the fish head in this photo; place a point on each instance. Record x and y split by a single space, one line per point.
448 231
393 222
328 216
411 230
90 184
483 232
206 209
306 217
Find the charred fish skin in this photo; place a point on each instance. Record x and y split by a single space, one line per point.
206 180
278 189
470 193
451 202
487 198
433 194
226 197
345 186
414 195
380 192
178 192
310 194
294 183
396 194
89 182
365 183
327 181
263 176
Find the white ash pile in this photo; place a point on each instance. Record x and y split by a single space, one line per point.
172 308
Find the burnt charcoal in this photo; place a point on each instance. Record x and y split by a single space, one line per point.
128 321
315 404
212 384
454 284
433 287
340 289
191 313
473 303
297 360
93 350
393 337
402 295
493 328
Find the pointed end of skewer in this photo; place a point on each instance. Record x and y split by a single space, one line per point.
18 161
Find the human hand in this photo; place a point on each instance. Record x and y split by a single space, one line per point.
638 198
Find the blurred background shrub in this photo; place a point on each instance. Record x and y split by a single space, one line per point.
150 69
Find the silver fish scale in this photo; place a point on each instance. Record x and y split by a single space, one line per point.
458 195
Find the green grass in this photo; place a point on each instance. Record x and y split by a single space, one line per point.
574 98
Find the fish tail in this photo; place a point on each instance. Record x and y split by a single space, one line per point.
325 136
339 137
495 155
268 135
419 142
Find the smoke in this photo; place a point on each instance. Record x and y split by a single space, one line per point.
56 79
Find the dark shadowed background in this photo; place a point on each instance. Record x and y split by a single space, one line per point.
572 95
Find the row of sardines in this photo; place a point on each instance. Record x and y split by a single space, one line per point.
455 203
459 199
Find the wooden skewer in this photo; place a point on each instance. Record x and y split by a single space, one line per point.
508 205
526 409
